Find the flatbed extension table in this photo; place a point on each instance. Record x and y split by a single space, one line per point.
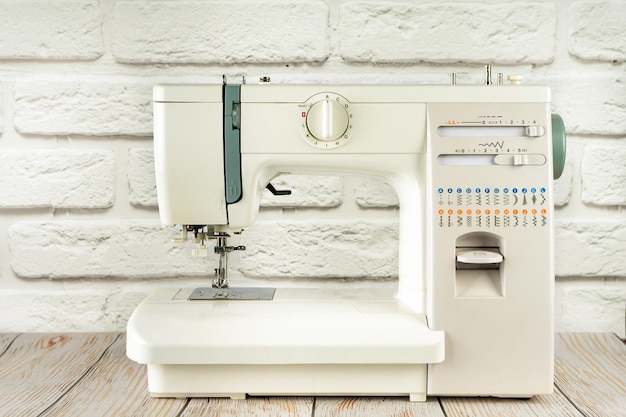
88 374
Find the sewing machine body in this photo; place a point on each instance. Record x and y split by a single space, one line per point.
473 312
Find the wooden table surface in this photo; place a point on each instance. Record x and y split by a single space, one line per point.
88 374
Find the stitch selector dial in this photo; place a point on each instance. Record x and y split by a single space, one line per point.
327 121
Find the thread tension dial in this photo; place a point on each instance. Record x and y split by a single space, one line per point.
327 121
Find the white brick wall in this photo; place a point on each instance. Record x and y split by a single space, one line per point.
59 178
599 163
141 180
596 30
98 107
81 244
220 31
448 32
321 249
1 111
578 96
40 29
590 248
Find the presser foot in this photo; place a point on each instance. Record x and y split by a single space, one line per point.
220 281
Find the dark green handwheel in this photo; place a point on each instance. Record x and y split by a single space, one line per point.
558 145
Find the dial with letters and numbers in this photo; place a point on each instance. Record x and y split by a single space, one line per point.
326 121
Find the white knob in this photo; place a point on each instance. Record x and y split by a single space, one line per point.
327 120
515 79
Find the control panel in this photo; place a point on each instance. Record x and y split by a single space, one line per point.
490 162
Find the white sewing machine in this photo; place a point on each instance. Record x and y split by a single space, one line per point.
473 314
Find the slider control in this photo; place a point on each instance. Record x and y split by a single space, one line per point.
519 159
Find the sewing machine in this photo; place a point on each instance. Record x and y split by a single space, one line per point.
473 312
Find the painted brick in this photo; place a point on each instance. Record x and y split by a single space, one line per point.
374 192
306 191
590 248
603 172
563 186
15 310
55 311
123 304
596 30
85 107
1 111
18 304
448 32
590 104
101 249
594 308
82 310
59 178
51 29
220 31
329 249
141 179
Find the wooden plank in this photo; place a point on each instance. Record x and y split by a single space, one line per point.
250 407
376 407
115 387
590 370
37 369
5 341
555 405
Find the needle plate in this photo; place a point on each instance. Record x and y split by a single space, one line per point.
242 293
